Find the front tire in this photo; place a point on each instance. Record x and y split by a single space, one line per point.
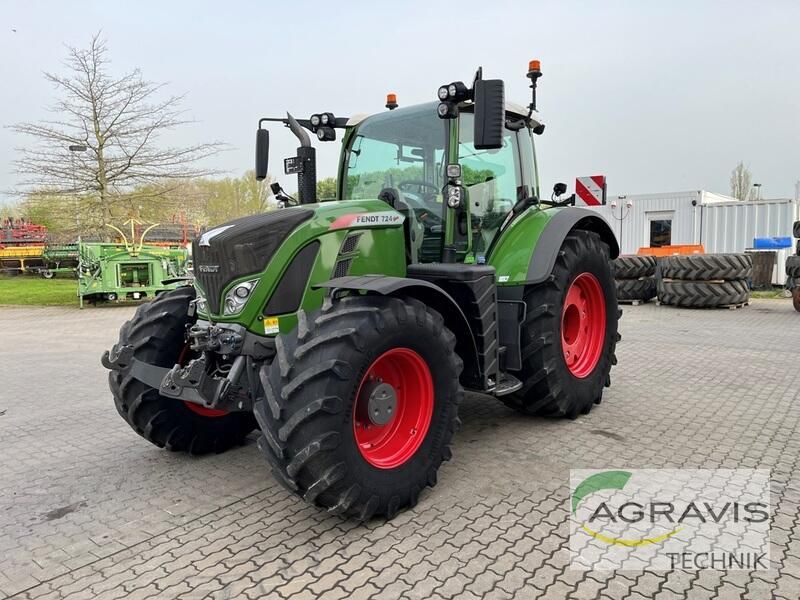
157 333
570 333
356 355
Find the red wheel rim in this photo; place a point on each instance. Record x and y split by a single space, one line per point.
197 409
583 325
390 445
204 411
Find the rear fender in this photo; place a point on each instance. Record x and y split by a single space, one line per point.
549 243
527 250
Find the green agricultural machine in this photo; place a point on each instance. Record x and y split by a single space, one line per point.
130 270
346 331
59 259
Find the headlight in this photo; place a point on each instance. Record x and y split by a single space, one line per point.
446 110
457 91
454 196
326 134
200 302
237 297
442 92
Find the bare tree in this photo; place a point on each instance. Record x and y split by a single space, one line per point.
113 124
741 182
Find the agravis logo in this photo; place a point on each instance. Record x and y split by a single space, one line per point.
644 518
610 480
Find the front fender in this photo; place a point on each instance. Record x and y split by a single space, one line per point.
431 295
527 250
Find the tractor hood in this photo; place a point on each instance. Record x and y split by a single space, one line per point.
241 247
267 247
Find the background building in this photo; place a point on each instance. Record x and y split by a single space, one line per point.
720 223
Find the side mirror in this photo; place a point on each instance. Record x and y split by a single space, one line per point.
559 188
262 153
490 114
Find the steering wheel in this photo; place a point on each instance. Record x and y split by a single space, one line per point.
419 183
421 201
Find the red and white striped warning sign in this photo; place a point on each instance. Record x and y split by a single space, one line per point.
591 190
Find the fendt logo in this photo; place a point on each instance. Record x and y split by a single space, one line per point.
208 268
662 518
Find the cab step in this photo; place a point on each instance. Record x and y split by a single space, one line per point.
506 384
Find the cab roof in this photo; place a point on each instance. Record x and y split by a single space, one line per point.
515 109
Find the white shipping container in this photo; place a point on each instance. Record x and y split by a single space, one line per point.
732 226
634 215
720 223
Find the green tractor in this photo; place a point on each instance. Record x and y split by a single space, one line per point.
346 331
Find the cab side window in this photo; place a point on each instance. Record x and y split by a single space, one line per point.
491 178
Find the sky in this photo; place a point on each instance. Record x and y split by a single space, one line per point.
658 96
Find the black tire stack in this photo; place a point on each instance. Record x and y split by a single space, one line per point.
793 269
705 280
635 278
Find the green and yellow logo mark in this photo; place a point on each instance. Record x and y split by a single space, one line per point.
610 480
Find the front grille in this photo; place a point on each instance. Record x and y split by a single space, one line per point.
241 247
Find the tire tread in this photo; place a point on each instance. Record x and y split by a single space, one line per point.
707 267
542 392
300 448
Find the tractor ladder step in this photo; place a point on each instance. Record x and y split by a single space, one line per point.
506 384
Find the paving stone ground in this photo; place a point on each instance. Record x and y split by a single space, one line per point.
90 510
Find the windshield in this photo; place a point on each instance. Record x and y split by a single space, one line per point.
398 156
395 148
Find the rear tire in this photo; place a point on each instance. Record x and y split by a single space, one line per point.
314 430
703 294
157 333
550 387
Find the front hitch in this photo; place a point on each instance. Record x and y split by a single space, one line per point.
119 358
190 383
194 379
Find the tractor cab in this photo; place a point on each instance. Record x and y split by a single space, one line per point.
402 156
458 170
